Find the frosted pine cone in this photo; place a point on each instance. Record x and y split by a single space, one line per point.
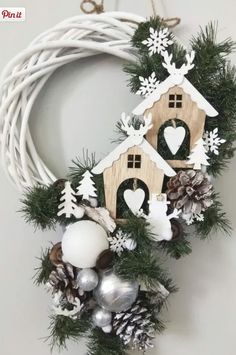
135 327
190 191
64 279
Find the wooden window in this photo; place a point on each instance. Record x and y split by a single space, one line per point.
175 101
134 161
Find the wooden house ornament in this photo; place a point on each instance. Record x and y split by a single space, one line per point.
134 159
178 114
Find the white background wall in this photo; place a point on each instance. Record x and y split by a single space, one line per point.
77 109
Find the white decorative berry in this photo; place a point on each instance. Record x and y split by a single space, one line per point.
118 242
86 187
213 141
147 85
158 42
68 205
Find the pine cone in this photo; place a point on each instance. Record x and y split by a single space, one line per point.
135 327
64 279
190 191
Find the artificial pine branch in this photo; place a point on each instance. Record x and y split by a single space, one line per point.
176 248
105 344
143 266
64 328
45 268
40 206
215 220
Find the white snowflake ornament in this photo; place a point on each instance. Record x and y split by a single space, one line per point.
158 42
189 219
147 85
213 141
118 242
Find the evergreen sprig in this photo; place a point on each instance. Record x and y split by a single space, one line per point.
215 220
105 344
45 268
63 328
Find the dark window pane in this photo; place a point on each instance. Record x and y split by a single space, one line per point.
138 165
130 157
179 104
179 97
137 157
130 164
171 104
171 97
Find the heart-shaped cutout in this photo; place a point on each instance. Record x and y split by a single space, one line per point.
174 137
134 199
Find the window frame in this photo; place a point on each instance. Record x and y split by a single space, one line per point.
134 161
175 101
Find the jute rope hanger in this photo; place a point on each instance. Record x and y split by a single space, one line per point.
99 8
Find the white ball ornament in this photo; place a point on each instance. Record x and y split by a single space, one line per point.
82 243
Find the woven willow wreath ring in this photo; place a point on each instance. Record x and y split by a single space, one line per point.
25 75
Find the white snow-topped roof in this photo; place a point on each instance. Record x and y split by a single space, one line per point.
187 87
123 147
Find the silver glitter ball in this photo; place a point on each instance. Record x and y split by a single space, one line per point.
115 294
101 317
87 279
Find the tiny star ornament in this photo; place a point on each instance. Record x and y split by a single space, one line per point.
158 42
147 85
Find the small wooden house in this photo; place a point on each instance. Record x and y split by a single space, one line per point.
175 103
133 159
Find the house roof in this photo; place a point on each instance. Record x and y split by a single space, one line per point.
187 87
123 147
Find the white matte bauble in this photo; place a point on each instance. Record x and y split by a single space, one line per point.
130 244
115 294
107 329
82 243
101 317
87 279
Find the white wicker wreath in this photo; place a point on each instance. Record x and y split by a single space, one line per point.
25 75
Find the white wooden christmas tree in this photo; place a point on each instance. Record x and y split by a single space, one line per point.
86 187
198 156
68 205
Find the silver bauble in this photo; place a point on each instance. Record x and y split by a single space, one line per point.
87 279
101 317
114 293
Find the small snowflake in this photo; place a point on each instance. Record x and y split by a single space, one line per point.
213 141
195 217
158 41
147 85
118 242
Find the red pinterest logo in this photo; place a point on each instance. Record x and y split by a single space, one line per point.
11 14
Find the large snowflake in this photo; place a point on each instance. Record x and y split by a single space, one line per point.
158 42
147 85
213 141
118 242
